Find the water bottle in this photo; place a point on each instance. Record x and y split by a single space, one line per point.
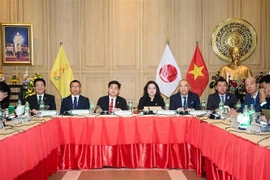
246 120
203 105
245 111
91 107
19 108
167 104
238 105
252 114
19 103
221 108
130 105
1 118
42 105
1 113
27 109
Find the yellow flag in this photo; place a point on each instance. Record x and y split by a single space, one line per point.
61 73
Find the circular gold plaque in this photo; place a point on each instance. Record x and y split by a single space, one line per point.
234 32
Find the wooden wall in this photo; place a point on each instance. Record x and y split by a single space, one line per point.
125 39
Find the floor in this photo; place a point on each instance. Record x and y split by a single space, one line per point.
127 174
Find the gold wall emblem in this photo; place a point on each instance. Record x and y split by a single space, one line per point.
234 32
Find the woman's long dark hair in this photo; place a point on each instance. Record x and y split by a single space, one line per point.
145 93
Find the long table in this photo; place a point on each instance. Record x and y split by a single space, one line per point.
40 148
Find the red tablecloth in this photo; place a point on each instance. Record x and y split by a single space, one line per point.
165 142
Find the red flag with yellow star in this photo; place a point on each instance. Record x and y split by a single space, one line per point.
197 74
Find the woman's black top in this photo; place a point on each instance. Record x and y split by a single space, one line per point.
146 101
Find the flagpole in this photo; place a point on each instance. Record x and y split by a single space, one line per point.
61 44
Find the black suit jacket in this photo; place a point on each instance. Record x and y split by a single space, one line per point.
193 101
103 102
47 99
267 105
247 101
67 104
214 100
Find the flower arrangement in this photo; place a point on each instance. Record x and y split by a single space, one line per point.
14 77
237 86
30 88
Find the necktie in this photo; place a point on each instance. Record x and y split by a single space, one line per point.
111 106
223 99
39 101
75 103
185 103
253 101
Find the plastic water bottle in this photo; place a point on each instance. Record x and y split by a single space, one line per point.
19 109
167 104
238 105
252 114
221 108
26 109
2 123
203 105
245 111
42 105
246 122
130 105
1 113
91 107
19 103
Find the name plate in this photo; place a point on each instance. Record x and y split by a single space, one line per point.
17 120
166 112
256 128
235 124
198 112
79 111
43 113
122 113
25 118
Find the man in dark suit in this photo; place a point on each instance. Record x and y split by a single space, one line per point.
75 100
34 100
252 96
112 102
184 100
221 95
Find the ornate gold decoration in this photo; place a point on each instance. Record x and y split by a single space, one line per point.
234 32
30 88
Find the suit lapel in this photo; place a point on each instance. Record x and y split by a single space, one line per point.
180 97
117 103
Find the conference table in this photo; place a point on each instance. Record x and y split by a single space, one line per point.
39 148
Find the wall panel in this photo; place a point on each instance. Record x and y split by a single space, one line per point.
126 35
95 35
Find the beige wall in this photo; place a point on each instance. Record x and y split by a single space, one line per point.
124 39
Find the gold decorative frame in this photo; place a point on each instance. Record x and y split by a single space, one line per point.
234 32
17 44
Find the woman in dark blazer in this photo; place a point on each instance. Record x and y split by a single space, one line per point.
151 96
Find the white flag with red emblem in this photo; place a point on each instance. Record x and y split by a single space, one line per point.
168 73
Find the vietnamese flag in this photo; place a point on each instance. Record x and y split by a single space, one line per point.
197 74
